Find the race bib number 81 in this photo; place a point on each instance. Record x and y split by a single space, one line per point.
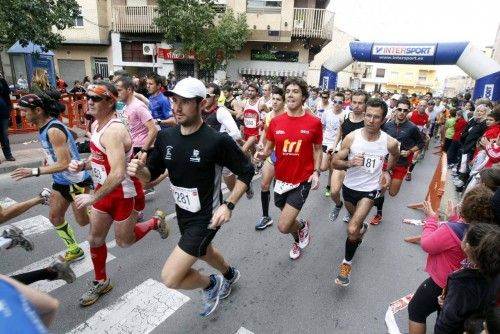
371 163
186 198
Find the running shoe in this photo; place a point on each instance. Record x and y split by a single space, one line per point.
327 193
149 192
162 225
377 219
335 212
344 274
304 235
18 239
347 218
96 290
63 270
210 298
73 255
45 194
263 223
408 176
249 192
228 284
295 251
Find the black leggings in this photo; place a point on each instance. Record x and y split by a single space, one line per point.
424 301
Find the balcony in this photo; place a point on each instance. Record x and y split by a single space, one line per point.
312 23
135 19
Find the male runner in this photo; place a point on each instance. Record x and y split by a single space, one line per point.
352 121
118 198
219 118
296 137
194 155
422 120
266 97
60 148
365 150
411 141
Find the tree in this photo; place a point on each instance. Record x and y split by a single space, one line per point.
32 21
214 39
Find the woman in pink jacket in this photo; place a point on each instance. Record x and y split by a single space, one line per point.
443 244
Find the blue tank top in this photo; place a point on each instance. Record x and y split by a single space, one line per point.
17 315
65 177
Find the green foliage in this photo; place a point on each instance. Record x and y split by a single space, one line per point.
214 38
32 21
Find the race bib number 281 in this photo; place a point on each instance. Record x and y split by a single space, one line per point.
186 198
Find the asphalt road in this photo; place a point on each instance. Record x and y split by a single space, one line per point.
275 294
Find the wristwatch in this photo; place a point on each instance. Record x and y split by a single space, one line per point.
229 205
35 171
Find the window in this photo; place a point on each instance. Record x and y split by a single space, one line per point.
422 76
133 52
409 76
79 21
137 3
254 6
380 73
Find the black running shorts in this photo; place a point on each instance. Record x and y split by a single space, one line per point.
295 197
71 190
354 196
195 237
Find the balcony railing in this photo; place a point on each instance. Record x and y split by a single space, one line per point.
312 23
135 19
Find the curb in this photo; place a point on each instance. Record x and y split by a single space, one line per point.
12 167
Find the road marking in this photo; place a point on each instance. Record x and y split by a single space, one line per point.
6 202
243 330
139 311
33 225
79 267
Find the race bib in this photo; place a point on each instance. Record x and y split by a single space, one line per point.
371 163
99 172
250 122
186 198
281 187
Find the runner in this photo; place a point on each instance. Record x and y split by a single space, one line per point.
411 141
194 155
352 121
331 121
118 197
220 119
421 119
266 97
278 108
365 150
60 148
296 136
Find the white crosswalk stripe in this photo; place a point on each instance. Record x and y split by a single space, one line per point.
139 311
79 267
243 330
29 226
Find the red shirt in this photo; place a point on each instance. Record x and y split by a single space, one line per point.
251 119
492 132
459 127
419 119
294 138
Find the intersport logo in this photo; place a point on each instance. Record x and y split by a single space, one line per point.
406 50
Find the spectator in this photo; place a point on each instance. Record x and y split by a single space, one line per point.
22 83
98 76
455 145
77 88
86 82
472 289
493 124
5 108
449 129
61 85
443 244
40 81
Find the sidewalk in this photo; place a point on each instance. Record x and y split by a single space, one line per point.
27 151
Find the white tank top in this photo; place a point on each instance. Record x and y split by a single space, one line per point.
366 177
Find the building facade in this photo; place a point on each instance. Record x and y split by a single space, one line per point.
284 38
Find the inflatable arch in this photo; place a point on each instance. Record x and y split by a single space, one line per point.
472 61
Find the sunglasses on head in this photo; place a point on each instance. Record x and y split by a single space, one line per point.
403 110
337 102
95 98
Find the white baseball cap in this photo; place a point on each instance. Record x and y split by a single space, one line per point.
395 97
189 88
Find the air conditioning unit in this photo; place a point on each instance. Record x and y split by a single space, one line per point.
148 49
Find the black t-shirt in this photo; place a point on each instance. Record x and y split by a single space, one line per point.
349 126
195 162
407 134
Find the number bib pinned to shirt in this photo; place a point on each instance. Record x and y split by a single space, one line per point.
99 172
186 198
371 163
281 187
250 122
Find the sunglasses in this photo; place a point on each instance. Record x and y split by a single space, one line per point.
210 95
403 110
337 102
95 98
